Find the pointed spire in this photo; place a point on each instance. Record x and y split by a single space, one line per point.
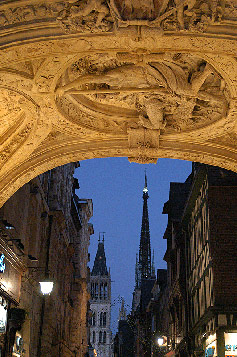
145 248
99 267
145 190
137 274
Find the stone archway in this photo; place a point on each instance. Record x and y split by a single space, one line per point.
90 79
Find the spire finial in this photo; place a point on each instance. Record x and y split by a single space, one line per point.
145 190
103 235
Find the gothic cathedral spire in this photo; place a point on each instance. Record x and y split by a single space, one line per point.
145 245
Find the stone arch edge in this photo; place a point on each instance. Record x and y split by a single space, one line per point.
41 163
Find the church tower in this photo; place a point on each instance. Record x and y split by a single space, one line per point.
144 269
100 304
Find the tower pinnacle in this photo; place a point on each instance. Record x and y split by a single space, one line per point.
145 247
100 267
145 190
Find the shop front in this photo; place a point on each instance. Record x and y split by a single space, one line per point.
11 317
228 350
211 346
230 344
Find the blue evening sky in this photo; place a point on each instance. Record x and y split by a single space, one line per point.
115 186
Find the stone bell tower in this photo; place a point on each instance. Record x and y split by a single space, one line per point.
100 304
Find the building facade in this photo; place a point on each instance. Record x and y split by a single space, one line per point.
45 234
100 304
202 275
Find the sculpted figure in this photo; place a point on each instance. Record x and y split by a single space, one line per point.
92 5
171 92
166 74
130 75
135 9
154 118
180 4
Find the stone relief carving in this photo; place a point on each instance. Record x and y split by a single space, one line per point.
119 110
25 13
195 15
171 92
171 15
22 123
86 16
95 16
231 9
142 95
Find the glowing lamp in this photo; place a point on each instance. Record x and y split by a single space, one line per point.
160 341
46 287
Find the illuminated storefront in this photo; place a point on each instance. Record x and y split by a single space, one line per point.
230 344
210 350
18 349
11 317
230 339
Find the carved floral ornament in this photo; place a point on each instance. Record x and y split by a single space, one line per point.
107 15
168 15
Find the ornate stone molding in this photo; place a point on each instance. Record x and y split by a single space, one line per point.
151 17
85 79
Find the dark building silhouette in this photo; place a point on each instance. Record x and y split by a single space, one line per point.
144 282
202 263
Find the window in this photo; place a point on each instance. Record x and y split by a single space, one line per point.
96 291
93 319
93 337
104 337
104 319
105 291
101 291
100 337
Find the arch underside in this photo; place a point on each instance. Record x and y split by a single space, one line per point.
79 82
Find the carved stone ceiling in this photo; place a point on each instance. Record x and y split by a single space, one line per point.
85 79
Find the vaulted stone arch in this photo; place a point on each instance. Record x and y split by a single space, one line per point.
91 79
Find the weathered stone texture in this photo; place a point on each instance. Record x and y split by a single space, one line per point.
43 219
88 79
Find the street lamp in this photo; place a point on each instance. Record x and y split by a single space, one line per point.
46 287
160 341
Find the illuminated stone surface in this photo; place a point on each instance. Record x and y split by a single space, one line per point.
82 80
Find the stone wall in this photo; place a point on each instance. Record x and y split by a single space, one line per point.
52 242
